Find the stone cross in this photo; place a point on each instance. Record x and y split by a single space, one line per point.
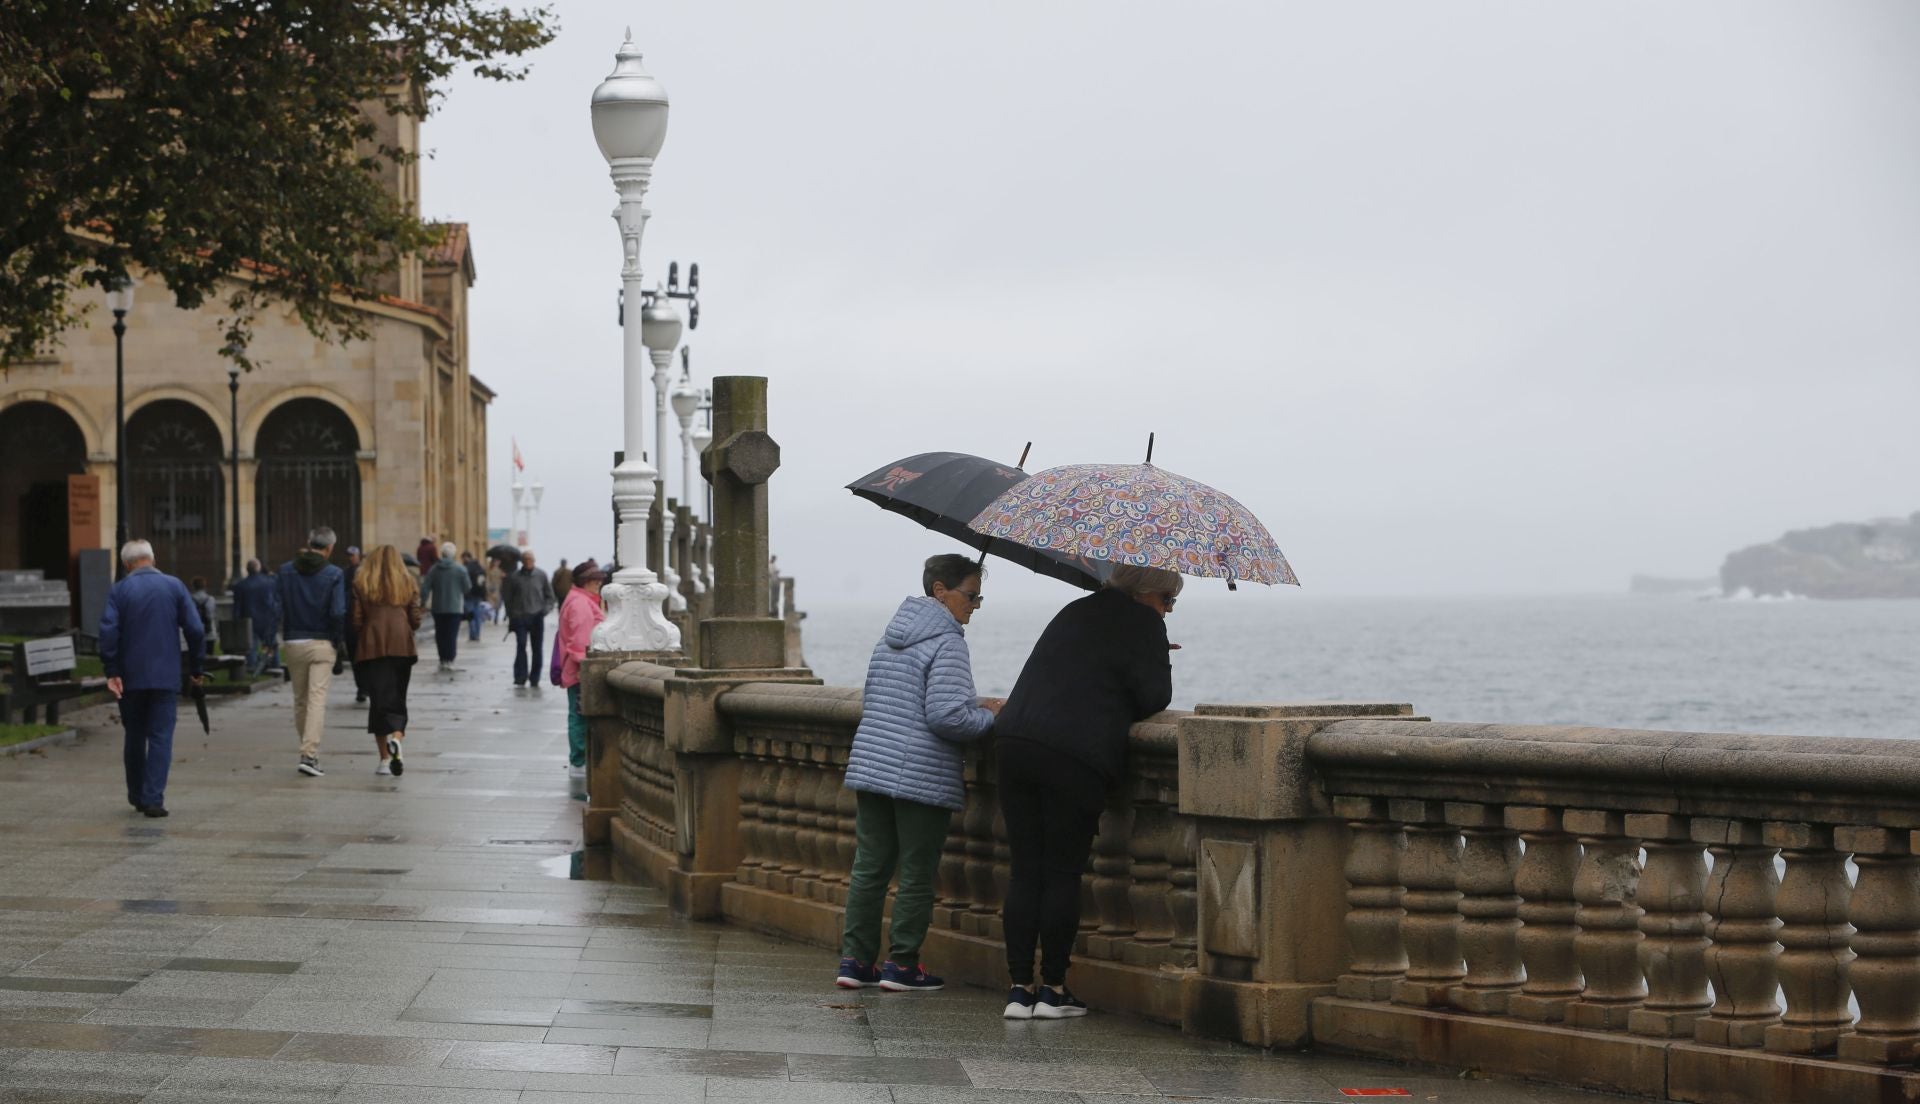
738 464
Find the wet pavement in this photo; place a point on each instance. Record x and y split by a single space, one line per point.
435 938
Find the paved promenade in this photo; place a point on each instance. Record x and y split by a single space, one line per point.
424 939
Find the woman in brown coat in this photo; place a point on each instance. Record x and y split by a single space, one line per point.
384 613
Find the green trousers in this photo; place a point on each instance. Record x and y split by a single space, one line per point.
892 834
576 729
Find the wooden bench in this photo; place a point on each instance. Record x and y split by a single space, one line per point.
41 673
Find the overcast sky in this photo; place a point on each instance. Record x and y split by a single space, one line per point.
1459 298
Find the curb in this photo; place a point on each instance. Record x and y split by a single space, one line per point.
22 748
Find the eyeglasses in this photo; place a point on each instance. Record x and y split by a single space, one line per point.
973 597
1169 600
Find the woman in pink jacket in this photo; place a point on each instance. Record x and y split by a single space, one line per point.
578 615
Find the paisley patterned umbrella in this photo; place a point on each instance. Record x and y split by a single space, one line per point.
1136 514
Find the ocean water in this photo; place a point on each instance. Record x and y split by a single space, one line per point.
1791 667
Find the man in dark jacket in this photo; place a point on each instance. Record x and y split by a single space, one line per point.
1100 666
528 597
147 614
256 599
346 577
476 593
313 607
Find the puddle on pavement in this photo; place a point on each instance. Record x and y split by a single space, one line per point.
594 864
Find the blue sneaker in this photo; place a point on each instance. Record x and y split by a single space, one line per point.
1057 1004
855 976
1019 1004
896 978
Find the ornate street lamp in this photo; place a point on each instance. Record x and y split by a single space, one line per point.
533 508
120 302
233 400
630 124
686 401
519 494
660 332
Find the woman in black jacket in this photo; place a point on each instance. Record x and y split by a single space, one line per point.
1062 744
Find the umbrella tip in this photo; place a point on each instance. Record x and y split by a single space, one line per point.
1149 448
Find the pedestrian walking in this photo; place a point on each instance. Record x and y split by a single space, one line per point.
256 600
427 553
562 582
528 598
353 651
1061 743
918 713
578 617
313 610
384 614
446 584
476 594
147 614
208 609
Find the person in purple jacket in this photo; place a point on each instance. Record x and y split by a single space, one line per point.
917 714
147 615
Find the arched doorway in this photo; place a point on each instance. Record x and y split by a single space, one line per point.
39 447
308 477
175 483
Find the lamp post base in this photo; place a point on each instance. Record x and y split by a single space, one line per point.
636 616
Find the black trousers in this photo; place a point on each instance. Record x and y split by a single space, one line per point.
1052 807
446 634
386 682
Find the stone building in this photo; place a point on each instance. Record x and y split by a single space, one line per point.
384 439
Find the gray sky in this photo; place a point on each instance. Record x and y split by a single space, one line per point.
1456 297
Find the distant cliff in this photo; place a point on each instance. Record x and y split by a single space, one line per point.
1878 559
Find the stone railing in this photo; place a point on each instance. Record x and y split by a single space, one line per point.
1658 913
1661 914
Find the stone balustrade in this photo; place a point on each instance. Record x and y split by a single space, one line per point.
1660 914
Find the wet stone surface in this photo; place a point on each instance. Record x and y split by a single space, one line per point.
362 938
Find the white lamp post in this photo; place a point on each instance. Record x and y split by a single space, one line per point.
630 124
660 329
519 494
702 437
686 401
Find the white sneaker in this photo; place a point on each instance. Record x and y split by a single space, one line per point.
576 772
381 768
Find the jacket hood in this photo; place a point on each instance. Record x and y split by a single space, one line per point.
919 618
309 561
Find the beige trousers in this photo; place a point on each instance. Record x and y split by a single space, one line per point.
310 662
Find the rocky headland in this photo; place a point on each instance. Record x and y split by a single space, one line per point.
1874 559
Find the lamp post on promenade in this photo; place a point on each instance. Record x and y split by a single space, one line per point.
539 489
120 302
519 495
629 125
660 331
686 401
233 409
702 437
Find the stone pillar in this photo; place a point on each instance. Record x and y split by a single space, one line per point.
1544 881
1272 898
1814 933
738 464
1673 949
1608 944
1489 908
1741 957
1886 942
1431 929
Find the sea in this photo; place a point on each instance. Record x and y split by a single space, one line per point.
1694 664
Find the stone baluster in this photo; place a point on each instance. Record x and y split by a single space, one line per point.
1741 953
749 820
1489 908
1147 896
1431 928
1002 866
1544 881
1886 942
1608 944
1673 927
1183 895
786 847
806 830
1814 933
1110 883
950 878
1374 911
976 821
846 807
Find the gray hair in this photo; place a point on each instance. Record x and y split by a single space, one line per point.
449 549
253 567
1138 582
134 551
321 537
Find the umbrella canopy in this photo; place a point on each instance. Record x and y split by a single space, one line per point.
945 490
504 552
1136 514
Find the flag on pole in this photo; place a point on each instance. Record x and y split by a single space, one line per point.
518 464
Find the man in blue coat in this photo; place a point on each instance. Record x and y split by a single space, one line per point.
140 635
313 611
256 598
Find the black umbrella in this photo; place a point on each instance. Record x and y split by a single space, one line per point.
198 692
504 552
945 490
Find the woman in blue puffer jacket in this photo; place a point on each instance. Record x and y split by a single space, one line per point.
917 712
